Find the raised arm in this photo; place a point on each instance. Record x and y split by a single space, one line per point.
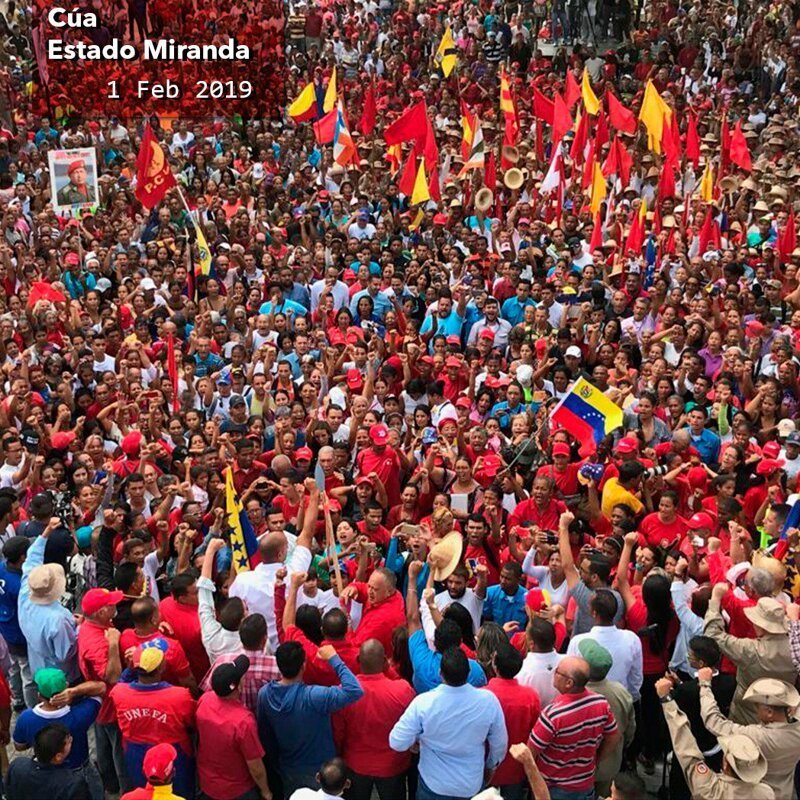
565 551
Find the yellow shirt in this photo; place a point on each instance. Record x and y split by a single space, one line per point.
614 494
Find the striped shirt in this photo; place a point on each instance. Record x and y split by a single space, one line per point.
566 737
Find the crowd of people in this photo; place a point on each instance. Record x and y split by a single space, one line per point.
290 518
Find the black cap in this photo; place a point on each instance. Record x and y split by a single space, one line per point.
226 677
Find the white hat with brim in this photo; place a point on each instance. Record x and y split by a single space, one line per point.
768 614
744 757
773 692
46 584
445 555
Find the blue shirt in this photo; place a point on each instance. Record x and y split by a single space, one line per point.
503 608
78 718
451 325
283 308
707 444
503 413
514 311
427 663
10 581
453 725
211 363
50 629
381 302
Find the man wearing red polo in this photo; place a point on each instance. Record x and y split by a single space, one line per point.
361 730
384 609
382 460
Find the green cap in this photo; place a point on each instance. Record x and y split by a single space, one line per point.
597 656
50 681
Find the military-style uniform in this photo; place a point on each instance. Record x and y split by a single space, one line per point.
765 657
704 783
70 195
778 741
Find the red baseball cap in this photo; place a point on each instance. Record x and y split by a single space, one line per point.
452 361
628 444
492 464
463 402
535 600
561 449
95 599
61 441
769 465
354 379
454 340
303 454
700 520
364 479
379 434
486 334
771 450
158 762
697 478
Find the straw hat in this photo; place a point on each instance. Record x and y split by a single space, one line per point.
729 183
772 692
750 185
761 206
513 178
445 555
744 757
510 153
768 614
47 583
484 199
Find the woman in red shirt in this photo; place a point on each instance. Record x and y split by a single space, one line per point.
649 613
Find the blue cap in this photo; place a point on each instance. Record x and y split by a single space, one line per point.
84 536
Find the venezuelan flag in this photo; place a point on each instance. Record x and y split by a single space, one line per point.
587 414
243 538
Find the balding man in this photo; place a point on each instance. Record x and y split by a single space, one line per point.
574 733
383 610
361 730
257 586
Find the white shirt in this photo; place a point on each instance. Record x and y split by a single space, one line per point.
257 588
558 595
313 794
537 672
626 654
470 601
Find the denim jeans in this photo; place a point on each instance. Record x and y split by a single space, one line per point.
20 679
424 793
563 794
110 758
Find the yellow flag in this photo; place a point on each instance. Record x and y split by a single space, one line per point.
598 188
590 100
446 54
643 210
303 107
417 220
205 253
420 193
653 113
329 103
707 184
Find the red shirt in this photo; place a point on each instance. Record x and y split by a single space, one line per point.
546 518
378 621
660 534
521 707
93 660
156 713
176 665
361 730
380 536
386 465
227 738
184 620
653 662
566 481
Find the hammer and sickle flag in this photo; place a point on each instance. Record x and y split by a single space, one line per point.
154 178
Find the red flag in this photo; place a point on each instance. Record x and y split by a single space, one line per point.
692 141
666 183
619 117
490 173
597 234
562 119
406 183
657 216
740 152
539 142
725 137
572 91
588 169
325 128
154 178
430 150
611 164
172 371
709 233
42 290
601 135
579 142
413 124
624 162
433 186
542 107
635 240
671 147
369 113
787 241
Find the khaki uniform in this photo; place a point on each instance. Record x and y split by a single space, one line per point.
621 702
704 783
778 741
766 657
